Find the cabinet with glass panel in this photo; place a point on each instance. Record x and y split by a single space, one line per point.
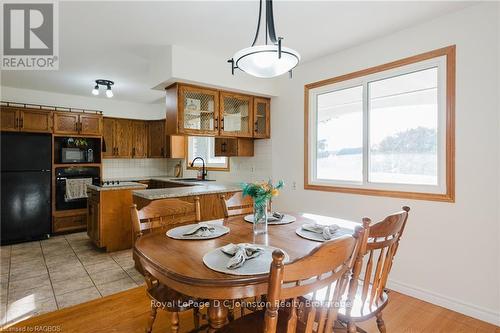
236 115
192 110
195 110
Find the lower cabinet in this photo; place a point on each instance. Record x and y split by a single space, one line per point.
108 219
74 222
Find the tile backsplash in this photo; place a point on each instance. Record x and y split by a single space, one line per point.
242 169
137 167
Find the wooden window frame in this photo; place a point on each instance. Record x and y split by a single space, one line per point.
208 168
449 195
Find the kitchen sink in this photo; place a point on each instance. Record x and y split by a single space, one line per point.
194 180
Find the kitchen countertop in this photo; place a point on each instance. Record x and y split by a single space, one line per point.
196 188
121 186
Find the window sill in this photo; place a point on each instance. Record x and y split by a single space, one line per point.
446 197
209 168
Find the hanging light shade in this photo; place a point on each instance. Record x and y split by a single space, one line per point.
268 60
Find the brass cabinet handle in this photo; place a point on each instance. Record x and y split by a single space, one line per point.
223 147
133 152
21 120
17 123
162 152
222 123
216 121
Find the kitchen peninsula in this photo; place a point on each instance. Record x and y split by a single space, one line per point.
109 224
208 192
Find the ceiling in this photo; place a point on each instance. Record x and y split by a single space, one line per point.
113 40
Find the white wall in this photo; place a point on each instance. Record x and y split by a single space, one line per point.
244 169
109 106
449 254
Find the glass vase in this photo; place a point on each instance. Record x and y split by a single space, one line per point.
260 218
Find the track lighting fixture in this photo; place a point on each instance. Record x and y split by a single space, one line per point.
101 82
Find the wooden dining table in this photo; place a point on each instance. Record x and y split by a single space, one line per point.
179 263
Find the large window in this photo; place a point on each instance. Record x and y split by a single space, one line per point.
386 130
204 147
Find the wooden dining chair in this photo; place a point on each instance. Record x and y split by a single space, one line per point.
236 204
368 281
155 217
331 262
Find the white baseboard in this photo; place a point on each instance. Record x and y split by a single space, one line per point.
446 302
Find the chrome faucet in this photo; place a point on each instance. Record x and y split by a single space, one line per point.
203 170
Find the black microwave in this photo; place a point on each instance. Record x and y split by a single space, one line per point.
76 155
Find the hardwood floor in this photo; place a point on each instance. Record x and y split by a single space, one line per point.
128 311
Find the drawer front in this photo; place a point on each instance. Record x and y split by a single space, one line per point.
68 223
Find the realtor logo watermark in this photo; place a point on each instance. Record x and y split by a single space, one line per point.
30 35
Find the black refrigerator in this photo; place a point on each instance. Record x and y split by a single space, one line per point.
26 183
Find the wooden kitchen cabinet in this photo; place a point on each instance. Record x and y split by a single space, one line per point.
139 139
9 119
108 136
26 120
233 147
108 219
261 118
236 114
118 136
90 124
156 138
192 110
176 146
77 123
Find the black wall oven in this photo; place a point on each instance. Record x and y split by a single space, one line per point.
62 174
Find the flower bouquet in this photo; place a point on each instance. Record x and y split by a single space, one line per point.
261 192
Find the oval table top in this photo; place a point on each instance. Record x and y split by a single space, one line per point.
179 263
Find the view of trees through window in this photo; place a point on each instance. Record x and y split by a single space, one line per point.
401 131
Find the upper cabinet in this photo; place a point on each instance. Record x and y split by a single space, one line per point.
130 138
140 139
235 115
192 110
26 120
261 118
195 110
77 123
156 138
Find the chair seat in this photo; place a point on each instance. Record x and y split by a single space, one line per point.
359 311
254 323
170 299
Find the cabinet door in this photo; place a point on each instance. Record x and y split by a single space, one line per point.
108 135
35 121
9 120
225 147
198 111
93 216
123 138
236 115
90 124
156 136
262 118
66 123
140 139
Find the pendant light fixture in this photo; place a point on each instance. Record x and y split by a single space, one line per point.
107 84
268 60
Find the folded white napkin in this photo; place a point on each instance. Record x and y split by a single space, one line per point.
327 231
275 217
240 253
201 230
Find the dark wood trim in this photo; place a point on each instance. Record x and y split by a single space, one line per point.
449 196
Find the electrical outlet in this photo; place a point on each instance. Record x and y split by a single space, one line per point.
294 185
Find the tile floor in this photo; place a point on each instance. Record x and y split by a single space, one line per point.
44 276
